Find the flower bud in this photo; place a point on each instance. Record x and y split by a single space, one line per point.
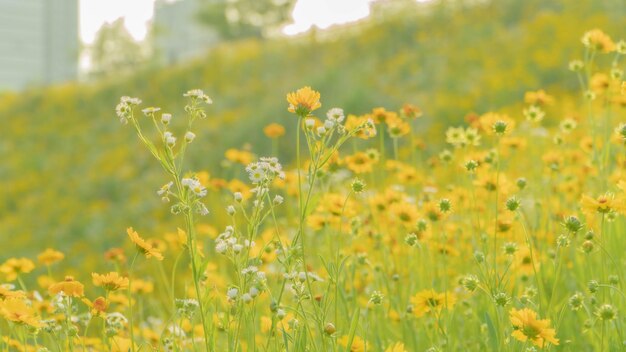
189 136
329 329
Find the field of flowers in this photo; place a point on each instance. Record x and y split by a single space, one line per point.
510 239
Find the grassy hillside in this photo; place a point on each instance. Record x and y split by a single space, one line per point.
68 168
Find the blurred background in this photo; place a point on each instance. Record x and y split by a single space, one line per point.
73 178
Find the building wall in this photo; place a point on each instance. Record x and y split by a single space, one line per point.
38 42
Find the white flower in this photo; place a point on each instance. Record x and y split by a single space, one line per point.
198 93
232 293
335 115
189 136
221 247
150 110
247 298
534 113
195 186
166 118
165 188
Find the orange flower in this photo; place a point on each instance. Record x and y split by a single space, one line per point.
359 163
16 266
111 281
274 130
97 307
69 287
143 246
50 256
303 101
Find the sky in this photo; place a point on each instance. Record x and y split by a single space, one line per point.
137 14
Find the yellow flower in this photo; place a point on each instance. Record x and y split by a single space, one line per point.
142 286
120 344
396 347
359 163
274 130
357 345
6 293
603 204
595 39
69 287
303 101
427 301
397 127
405 213
488 122
17 311
539 97
111 281
527 327
143 246
16 266
50 256
239 156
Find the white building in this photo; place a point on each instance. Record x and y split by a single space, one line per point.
38 42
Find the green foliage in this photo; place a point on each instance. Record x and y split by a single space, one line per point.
245 18
114 51
67 166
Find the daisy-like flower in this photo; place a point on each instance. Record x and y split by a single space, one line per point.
397 127
68 287
357 344
456 136
595 39
97 307
396 347
303 101
274 130
6 293
143 246
604 204
195 186
198 94
150 111
534 113
360 163
526 327
17 311
112 281
16 266
405 213
411 111
50 256
539 97
427 301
